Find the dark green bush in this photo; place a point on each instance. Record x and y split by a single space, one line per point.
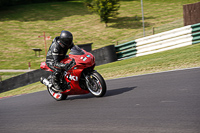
4 3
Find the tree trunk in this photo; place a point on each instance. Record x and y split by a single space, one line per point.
106 25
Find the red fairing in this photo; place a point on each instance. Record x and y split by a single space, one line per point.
83 61
45 67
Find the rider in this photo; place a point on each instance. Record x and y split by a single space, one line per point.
57 52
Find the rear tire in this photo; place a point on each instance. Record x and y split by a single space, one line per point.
56 95
96 85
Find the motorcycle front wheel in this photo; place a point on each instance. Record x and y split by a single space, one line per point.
56 95
96 84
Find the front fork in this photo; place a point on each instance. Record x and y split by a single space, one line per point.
89 78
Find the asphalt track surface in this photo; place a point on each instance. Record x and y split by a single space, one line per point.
166 102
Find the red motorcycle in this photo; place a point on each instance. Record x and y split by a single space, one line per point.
80 76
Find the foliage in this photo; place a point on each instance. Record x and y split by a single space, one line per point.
104 8
20 2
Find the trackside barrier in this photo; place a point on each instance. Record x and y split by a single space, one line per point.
172 39
22 80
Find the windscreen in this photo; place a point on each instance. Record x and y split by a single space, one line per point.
76 51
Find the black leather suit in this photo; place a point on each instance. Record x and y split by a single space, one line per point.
56 53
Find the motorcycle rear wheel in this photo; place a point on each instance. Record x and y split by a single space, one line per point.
56 95
96 84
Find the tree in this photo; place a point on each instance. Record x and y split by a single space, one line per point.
104 8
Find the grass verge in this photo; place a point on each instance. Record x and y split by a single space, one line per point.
7 75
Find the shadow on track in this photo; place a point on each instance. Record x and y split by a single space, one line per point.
108 93
119 91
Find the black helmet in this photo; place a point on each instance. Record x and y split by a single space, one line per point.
66 38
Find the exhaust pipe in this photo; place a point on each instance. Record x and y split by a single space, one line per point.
45 82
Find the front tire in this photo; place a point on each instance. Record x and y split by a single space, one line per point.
96 84
56 95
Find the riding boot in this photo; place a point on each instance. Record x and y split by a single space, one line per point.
56 81
56 85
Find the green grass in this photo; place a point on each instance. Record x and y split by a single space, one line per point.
7 75
184 57
21 25
35 87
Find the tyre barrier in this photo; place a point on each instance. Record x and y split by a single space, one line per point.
105 55
168 40
22 80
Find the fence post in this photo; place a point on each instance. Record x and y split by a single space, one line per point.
153 31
